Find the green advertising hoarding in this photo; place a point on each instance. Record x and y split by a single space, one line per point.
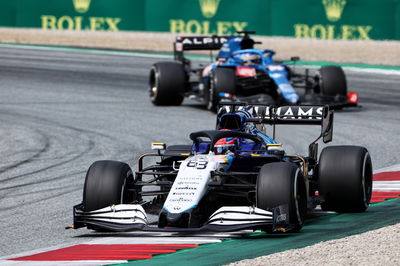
109 15
7 13
207 16
335 19
319 19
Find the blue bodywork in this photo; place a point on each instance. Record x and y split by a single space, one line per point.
232 55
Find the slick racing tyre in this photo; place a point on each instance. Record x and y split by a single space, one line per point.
106 184
332 81
345 178
223 80
279 184
167 83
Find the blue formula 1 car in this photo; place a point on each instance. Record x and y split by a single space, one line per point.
243 73
232 178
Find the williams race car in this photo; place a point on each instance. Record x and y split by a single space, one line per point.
245 74
232 178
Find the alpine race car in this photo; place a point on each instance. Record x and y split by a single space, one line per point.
232 178
243 73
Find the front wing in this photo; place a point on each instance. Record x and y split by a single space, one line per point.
131 217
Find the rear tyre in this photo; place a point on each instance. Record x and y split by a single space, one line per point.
167 83
282 183
345 178
222 80
332 81
106 184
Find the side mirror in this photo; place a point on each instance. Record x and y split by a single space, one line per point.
327 126
160 146
295 58
276 149
313 151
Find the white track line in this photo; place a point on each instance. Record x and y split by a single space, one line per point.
386 186
393 168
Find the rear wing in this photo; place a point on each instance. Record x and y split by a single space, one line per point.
286 115
186 43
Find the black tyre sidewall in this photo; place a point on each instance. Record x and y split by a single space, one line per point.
345 178
332 81
283 183
105 184
169 78
222 80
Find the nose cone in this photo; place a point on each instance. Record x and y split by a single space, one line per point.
173 218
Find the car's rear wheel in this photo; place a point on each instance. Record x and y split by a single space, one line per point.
345 178
282 184
167 83
106 184
332 81
223 80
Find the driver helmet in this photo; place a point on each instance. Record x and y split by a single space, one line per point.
249 58
225 145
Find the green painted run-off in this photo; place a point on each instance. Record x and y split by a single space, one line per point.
316 230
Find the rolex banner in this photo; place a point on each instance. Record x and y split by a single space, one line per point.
319 19
107 15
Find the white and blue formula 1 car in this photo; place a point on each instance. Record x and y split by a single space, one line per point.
232 178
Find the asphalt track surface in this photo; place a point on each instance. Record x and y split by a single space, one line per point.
62 110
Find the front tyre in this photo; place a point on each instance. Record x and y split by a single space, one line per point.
106 184
167 83
282 183
345 178
223 80
332 81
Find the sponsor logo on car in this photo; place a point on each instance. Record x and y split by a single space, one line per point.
276 75
245 72
201 40
276 68
295 112
281 218
283 112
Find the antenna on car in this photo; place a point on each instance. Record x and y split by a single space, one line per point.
246 32
247 36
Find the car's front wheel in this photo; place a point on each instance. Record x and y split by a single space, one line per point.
106 184
282 184
332 81
223 80
167 83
